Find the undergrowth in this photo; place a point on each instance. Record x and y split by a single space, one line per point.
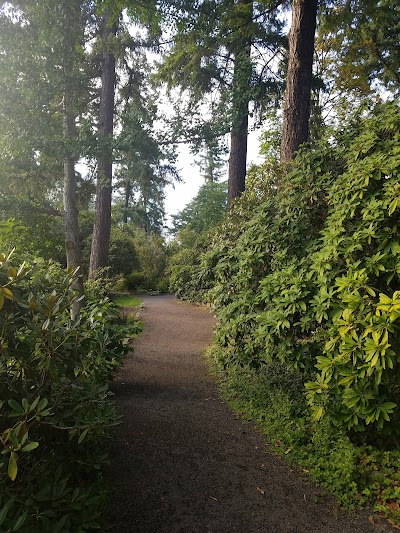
272 397
55 407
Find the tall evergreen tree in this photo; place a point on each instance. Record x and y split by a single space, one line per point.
145 159
212 54
241 50
102 220
211 161
72 38
364 39
44 108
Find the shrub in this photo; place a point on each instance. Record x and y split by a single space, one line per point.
55 407
304 272
136 281
123 257
152 254
309 275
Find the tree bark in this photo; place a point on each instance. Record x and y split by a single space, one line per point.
102 220
237 161
296 114
128 189
71 222
241 84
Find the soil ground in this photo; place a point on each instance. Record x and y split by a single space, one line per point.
183 462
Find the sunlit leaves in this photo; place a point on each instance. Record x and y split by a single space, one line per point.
314 283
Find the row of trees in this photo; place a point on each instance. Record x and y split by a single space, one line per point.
59 107
79 85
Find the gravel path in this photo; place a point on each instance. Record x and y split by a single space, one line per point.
182 461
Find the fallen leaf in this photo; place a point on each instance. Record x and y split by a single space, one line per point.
393 506
260 490
212 498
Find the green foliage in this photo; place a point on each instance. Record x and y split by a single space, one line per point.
209 60
45 76
186 279
311 277
364 36
205 211
136 281
138 260
122 257
147 162
152 255
47 239
305 272
55 409
193 226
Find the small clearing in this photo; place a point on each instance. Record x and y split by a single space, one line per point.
126 300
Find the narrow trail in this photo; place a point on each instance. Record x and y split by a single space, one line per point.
182 461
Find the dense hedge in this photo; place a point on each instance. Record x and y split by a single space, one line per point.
304 273
55 407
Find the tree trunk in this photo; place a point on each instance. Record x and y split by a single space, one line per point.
296 115
237 161
102 217
241 83
71 222
128 188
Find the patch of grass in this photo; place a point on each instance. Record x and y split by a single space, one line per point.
126 300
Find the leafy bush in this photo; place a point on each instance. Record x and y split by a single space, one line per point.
185 277
47 240
123 257
55 407
310 277
305 272
136 281
152 255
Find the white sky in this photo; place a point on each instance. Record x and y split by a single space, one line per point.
178 197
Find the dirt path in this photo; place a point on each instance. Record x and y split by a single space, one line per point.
182 462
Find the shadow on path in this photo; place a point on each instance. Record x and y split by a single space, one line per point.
181 460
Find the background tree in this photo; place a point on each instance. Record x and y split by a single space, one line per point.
364 39
205 211
212 54
146 163
102 219
211 162
73 41
53 37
